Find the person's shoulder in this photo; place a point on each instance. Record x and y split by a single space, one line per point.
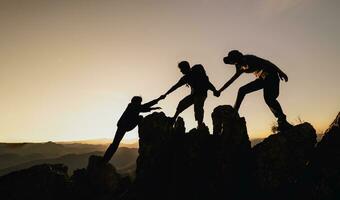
186 76
130 106
251 57
255 59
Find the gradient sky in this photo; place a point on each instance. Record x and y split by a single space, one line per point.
68 68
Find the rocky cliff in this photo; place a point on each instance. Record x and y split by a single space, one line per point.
177 164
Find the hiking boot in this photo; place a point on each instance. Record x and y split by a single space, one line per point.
201 126
283 125
172 121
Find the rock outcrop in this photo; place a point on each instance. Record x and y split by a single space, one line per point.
281 159
322 180
51 182
38 182
194 165
177 164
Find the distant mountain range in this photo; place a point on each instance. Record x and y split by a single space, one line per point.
75 154
16 156
101 141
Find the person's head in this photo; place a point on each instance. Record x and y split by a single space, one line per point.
184 66
137 100
234 57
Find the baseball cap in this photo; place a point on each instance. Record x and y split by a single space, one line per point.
233 56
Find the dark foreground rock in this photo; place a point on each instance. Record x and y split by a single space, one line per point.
51 182
281 159
194 165
322 180
176 164
37 182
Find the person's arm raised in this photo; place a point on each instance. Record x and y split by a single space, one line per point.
181 82
231 80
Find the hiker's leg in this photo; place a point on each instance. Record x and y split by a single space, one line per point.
140 119
183 104
111 150
199 108
132 124
271 92
246 89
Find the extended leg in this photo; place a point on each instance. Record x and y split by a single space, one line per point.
198 108
183 104
111 150
246 89
270 93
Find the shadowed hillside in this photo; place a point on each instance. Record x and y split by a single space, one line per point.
17 156
124 160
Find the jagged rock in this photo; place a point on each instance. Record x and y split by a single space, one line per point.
281 159
173 164
154 160
232 128
98 181
102 176
323 178
37 182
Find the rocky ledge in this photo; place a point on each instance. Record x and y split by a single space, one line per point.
175 164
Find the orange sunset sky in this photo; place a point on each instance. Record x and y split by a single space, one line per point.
68 68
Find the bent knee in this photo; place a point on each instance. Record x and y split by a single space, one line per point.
269 100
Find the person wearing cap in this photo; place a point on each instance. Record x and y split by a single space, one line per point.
268 77
196 78
128 121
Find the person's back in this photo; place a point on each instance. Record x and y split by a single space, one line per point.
259 66
198 80
129 117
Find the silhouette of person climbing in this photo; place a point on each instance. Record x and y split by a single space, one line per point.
128 121
268 78
196 78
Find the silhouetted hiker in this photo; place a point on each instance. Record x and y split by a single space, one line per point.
268 78
128 121
197 79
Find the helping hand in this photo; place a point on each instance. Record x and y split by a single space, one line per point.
217 93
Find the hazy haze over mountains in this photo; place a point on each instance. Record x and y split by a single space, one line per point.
74 154
16 156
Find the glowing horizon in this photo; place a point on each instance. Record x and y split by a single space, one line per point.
68 69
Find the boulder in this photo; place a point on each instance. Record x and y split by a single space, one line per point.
38 182
322 181
281 158
173 164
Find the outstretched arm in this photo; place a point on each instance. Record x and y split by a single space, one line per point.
148 109
231 80
181 82
147 106
212 88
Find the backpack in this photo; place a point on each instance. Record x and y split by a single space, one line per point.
200 75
